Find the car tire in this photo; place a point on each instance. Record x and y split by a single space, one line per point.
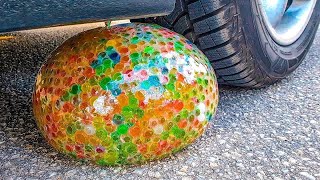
234 37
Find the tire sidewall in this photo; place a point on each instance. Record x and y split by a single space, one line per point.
276 60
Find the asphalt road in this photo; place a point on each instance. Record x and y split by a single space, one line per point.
271 133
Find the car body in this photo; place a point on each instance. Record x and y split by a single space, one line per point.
19 15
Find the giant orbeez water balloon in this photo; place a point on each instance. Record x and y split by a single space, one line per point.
125 94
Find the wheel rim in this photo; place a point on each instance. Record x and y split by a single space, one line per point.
286 19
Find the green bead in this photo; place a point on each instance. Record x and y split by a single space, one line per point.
130 148
104 83
108 141
184 113
165 135
122 129
197 112
206 82
88 147
117 76
78 125
73 154
66 97
191 118
101 133
178 46
139 113
108 63
199 80
202 97
102 41
133 102
135 56
194 92
177 118
92 81
176 95
127 112
126 139
115 136
148 50
102 162
172 78
118 119
186 97
170 87
134 40
100 70
177 132
71 129
109 49
111 157
75 89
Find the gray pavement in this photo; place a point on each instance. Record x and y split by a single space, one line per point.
271 133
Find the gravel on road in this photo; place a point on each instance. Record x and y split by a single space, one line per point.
270 133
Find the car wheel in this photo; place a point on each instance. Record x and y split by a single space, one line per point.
251 43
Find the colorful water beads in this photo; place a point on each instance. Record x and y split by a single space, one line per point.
124 95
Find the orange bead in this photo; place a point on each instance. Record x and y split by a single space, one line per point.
123 100
94 141
134 131
180 77
132 47
123 50
139 95
163 144
118 67
178 105
89 72
67 107
196 123
183 123
141 43
148 134
111 42
116 109
177 143
124 59
142 148
80 137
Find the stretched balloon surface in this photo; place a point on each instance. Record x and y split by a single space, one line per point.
124 95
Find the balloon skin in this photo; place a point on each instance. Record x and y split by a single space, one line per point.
124 95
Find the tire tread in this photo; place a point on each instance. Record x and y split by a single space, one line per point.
215 27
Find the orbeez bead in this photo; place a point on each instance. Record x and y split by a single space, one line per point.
125 94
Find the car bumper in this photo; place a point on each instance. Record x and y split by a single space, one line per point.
18 15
